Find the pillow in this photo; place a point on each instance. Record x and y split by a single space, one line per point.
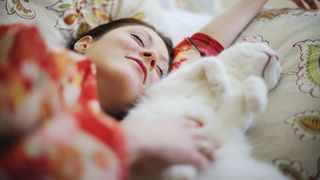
288 133
59 20
209 7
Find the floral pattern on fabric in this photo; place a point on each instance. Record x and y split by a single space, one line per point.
183 52
309 67
305 125
45 133
17 7
195 47
306 13
255 39
291 123
295 170
277 13
271 14
79 16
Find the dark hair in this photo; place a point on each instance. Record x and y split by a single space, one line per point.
99 31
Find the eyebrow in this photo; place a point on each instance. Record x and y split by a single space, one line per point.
148 34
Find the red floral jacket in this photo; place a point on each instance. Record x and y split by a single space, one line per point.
51 125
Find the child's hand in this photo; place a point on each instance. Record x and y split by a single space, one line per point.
180 141
301 3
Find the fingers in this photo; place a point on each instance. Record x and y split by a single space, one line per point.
202 147
301 3
207 148
199 160
201 150
312 4
203 144
184 142
202 155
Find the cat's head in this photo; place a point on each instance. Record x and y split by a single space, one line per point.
252 59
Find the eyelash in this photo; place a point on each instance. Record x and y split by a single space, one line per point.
138 38
161 72
140 41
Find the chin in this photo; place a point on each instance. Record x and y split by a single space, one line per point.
120 112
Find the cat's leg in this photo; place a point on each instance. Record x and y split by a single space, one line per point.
241 53
271 73
209 68
234 161
255 94
216 75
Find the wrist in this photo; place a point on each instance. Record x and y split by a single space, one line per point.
135 141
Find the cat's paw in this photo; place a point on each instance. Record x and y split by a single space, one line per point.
252 59
216 76
272 72
255 94
257 51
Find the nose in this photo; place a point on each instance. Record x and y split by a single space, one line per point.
150 57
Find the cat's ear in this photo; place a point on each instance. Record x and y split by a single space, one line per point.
271 73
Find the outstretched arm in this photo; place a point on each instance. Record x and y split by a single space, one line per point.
228 25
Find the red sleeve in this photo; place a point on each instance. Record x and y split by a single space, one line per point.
206 45
195 47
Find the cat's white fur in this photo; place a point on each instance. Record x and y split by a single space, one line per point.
224 92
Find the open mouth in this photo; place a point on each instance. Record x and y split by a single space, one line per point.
141 66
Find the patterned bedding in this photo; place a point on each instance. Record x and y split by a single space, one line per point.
288 133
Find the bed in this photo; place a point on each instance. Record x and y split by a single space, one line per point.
288 133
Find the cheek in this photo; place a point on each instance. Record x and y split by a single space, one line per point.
132 79
121 87
129 81
154 78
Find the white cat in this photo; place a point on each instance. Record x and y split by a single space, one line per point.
224 93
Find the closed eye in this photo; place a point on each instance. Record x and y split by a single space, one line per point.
138 39
160 72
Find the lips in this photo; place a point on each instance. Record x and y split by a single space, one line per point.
142 66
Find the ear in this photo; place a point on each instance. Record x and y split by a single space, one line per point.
82 44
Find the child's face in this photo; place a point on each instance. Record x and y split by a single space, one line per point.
128 60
